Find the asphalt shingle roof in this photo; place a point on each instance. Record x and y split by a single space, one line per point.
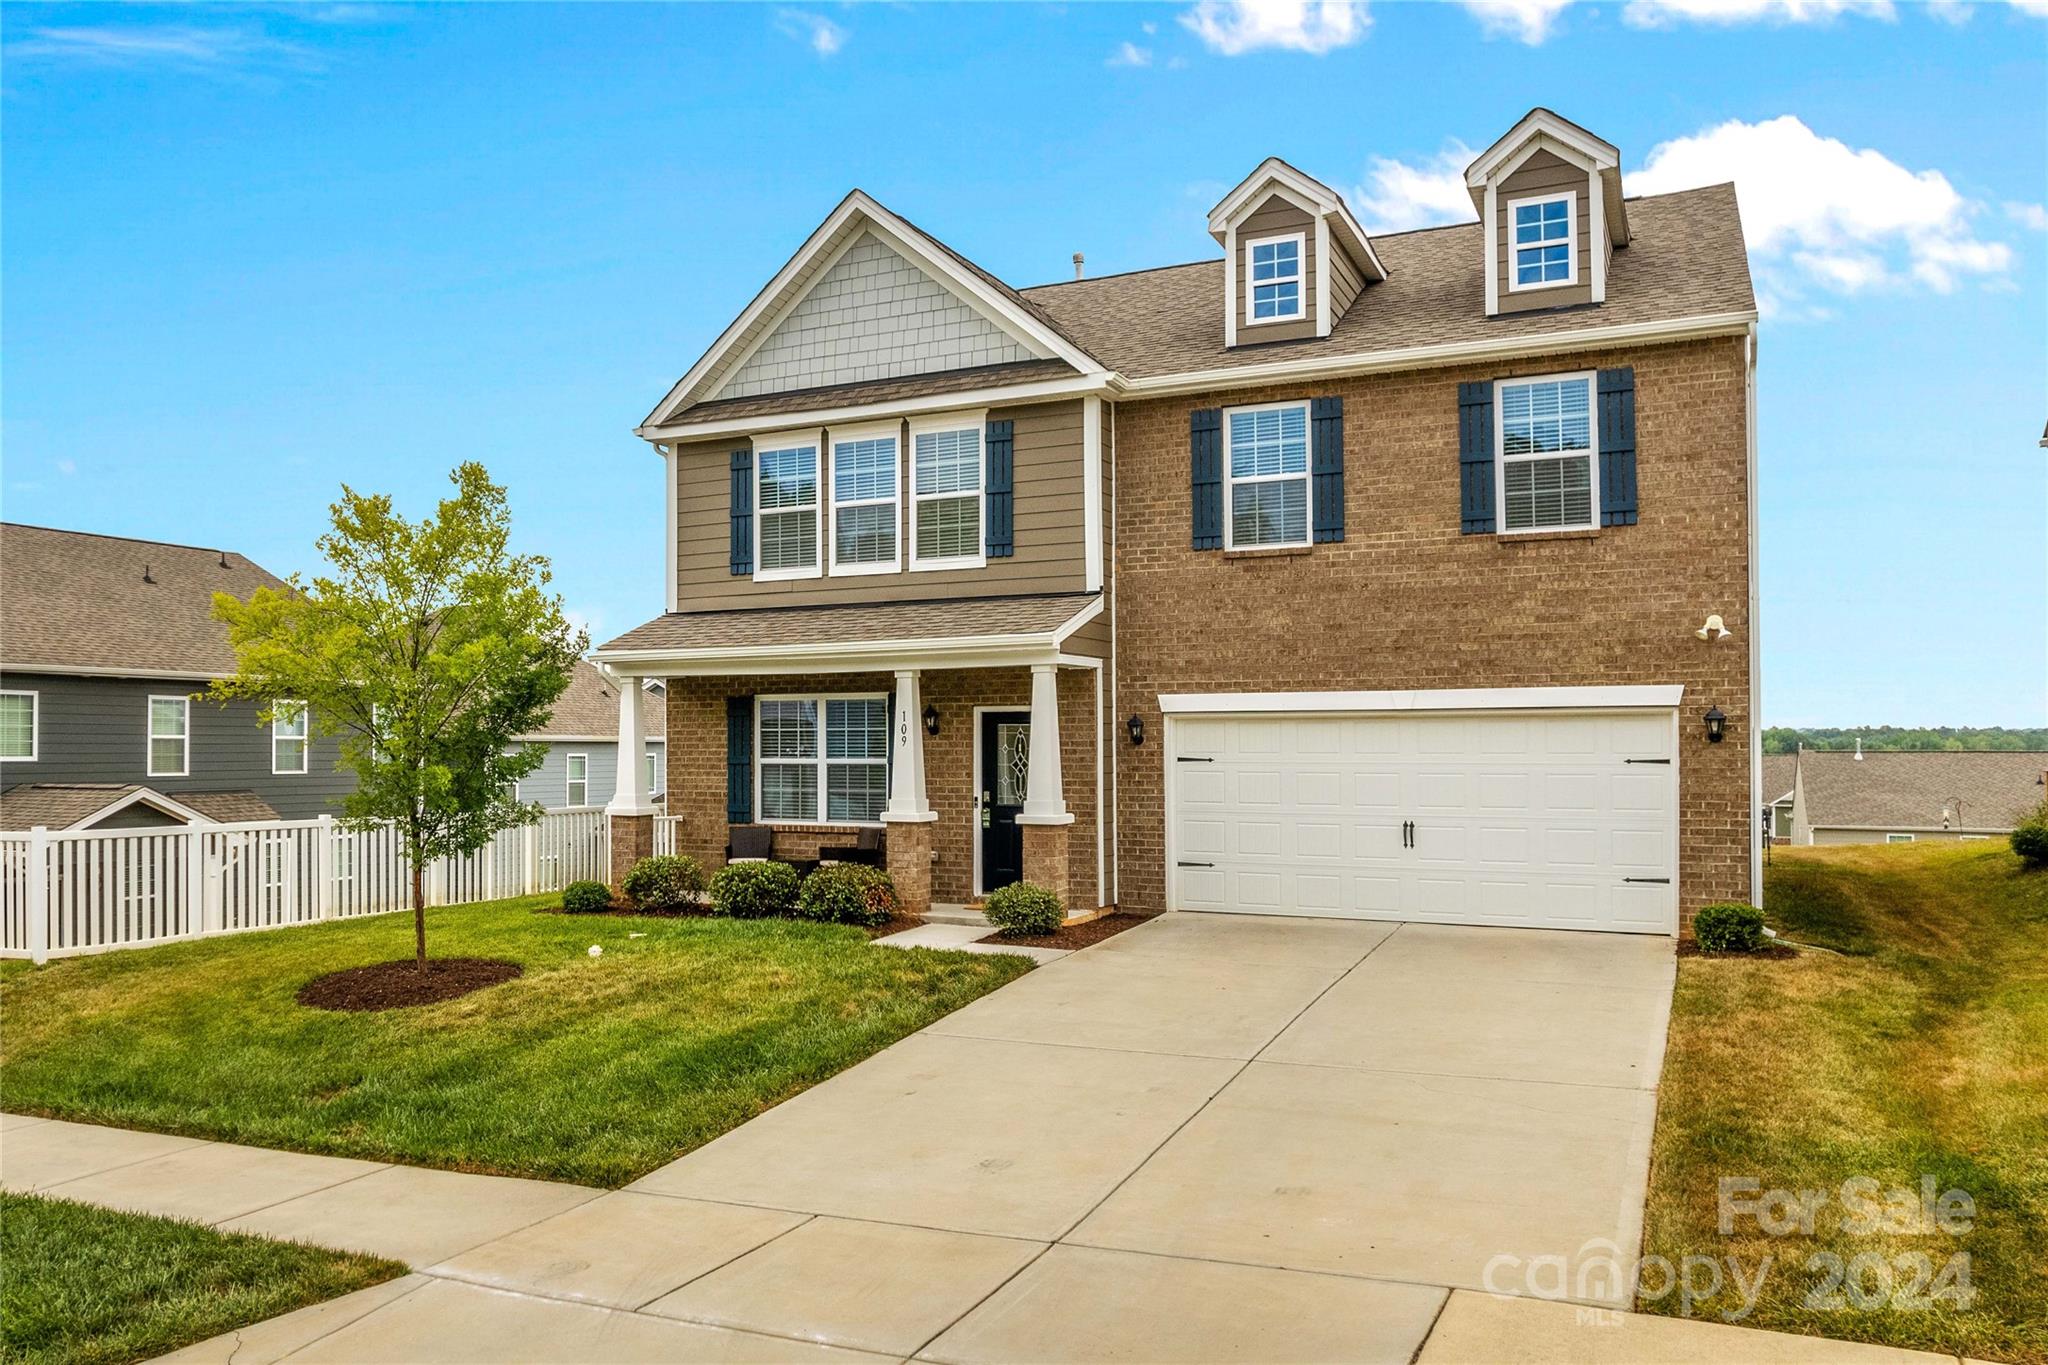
1909 791
591 707
953 618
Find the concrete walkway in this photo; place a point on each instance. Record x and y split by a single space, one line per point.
1208 1138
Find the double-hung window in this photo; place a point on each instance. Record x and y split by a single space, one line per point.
1546 243
18 726
654 772
823 759
170 720
579 779
1547 447
1266 468
864 517
945 505
288 737
1273 279
786 509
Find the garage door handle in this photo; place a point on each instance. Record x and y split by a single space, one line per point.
1183 758
1194 864
1665 761
1654 881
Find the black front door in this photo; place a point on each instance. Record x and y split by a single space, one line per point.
1005 767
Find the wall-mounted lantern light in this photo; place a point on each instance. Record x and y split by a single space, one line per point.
931 719
1717 725
1136 727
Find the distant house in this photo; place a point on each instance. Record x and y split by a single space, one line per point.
582 739
104 642
1900 798
1779 770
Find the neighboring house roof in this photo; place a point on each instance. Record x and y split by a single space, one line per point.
1685 259
81 602
71 805
590 709
1911 791
948 619
1778 773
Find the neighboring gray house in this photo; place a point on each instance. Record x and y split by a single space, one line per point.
1779 771
1902 798
582 739
106 647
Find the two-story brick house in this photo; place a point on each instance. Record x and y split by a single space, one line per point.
1342 575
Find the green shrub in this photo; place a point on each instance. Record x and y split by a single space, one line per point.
664 881
2030 838
754 890
1023 908
580 898
848 893
1729 927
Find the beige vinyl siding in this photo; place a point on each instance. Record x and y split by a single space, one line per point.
1047 523
1542 174
1346 283
1091 641
1277 217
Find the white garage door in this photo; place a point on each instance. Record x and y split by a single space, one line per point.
1564 820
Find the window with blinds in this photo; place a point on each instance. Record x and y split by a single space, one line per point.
1547 448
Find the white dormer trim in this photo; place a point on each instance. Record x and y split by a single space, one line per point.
1323 275
1308 193
1230 286
1569 140
1596 237
780 295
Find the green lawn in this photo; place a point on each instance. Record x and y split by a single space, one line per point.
1922 1049
593 1070
88 1286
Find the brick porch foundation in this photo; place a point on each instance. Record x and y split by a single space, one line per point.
632 839
1045 860
909 852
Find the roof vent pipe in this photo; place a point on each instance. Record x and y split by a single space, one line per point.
1859 748
1080 265
223 558
145 575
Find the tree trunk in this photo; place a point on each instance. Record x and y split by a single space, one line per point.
419 915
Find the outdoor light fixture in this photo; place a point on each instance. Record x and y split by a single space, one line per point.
931 719
1136 726
1713 630
1717 725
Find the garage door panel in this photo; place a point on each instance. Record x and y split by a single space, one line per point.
1532 819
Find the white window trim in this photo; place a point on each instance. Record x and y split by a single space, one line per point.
35 724
820 761
872 431
652 759
1501 457
184 737
769 445
569 779
1898 838
305 754
1251 286
1570 199
1307 478
957 421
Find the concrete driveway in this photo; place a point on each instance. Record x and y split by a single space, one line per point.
1209 1138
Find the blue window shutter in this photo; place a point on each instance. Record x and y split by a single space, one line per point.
1475 458
742 512
1205 460
1618 447
739 760
999 454
1326 464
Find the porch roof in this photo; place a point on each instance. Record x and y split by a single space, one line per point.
963 632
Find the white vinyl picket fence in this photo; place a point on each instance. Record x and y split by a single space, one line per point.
63 893
665 832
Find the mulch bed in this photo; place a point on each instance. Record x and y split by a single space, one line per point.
396 985
1077 935
1690 948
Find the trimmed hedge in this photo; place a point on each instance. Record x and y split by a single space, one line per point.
664 881
581 898
2030 838
848 893
1729 927
754 890
1024 908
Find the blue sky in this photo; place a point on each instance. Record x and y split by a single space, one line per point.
253 252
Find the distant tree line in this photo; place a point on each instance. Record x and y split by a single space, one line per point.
1918 739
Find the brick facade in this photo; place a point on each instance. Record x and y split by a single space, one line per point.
1406 601
696 767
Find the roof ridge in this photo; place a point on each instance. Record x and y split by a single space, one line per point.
132 540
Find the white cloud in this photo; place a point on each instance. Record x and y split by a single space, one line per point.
817 32
1130 54
67 467
1232 27
1816 212
178 45
1397 196
1150 29
1663 13
1527 20
2028 215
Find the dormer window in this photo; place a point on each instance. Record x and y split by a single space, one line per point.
1276 278
1546 241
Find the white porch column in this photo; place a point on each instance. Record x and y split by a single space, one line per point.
907 801
1045 797
629 794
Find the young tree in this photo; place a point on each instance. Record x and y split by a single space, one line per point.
426 647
